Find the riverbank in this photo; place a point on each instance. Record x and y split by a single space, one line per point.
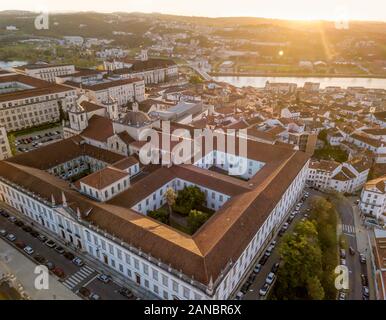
291 75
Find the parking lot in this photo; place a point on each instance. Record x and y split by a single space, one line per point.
71 271
28 142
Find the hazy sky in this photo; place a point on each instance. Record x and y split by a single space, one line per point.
287 9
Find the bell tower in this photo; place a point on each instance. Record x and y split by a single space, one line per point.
78 116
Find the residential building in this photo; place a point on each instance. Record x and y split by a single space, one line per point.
45 71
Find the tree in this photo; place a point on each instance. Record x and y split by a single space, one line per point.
189 198
196 219
170 197
195 79
161 215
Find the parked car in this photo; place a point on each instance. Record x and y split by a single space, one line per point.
263 260
34 233
239 295
275 267
78 262
251 278
39 258
12 219
84 292
126 293
27 228
59 249
364 280
28 250
264 289
104 278
69 256
42 238
11 237
19 223
94 296
245 287
352 251
257 268
20 244
59 272
267 253
3 233
50 265
365 291
362 258
50 243
270 278
343 262
342 295
342 253
5 214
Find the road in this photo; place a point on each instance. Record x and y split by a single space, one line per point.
253 292
76 277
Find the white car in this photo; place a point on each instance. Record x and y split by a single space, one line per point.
270 278
264 289
343 262
257 268
239 295
78 261
11 237
28 250
3 233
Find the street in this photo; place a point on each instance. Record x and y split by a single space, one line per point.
75 277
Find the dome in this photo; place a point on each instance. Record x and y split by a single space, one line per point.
136 119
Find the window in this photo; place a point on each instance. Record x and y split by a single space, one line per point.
165 280
155 274
156 289
127 258
136 264
186 292
145 269
175 286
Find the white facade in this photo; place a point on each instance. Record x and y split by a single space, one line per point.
373 198
5 150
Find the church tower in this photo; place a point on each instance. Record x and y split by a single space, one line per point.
111 108
78 116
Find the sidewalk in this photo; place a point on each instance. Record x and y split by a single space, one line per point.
21 271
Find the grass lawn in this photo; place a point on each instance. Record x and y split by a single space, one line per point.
35 129
331 153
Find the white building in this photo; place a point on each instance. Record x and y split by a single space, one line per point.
5 150
150 254
342 177
45 71
27 102
373 198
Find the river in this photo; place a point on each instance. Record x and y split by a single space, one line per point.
10 64
259 82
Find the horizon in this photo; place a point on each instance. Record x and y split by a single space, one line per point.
296 10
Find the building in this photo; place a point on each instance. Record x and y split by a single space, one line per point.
210 264
347 177
373 198
45 71
150 70
379 253
28 102
5 150
122 91
281 88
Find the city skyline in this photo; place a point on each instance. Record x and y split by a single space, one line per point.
295 10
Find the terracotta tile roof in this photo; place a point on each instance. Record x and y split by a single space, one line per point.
99 128
90 106
125 163
104 178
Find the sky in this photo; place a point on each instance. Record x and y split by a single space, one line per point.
282 9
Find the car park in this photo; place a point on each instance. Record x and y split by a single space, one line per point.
78 262
28 250
50 243
11 237
104 278
264 289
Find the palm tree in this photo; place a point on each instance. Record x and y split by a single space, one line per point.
170 197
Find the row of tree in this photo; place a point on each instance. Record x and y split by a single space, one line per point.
309 256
